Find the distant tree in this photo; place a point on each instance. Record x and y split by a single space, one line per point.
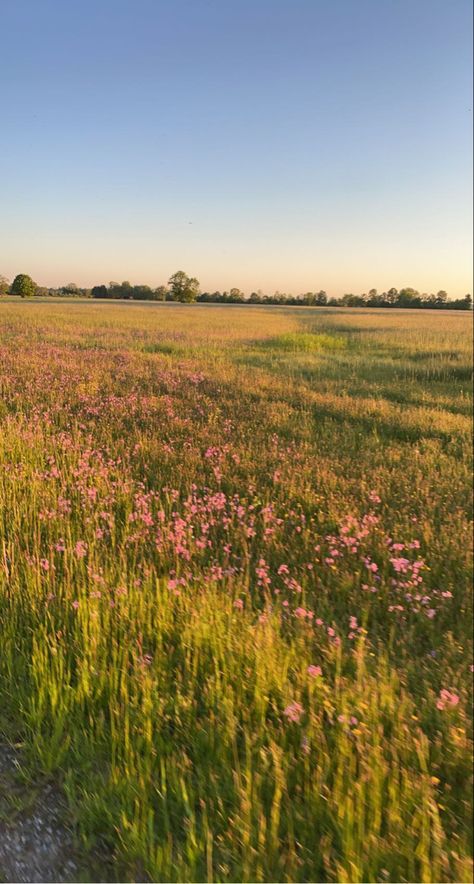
391 296
141 293
408 297
99 291
236 296
461 303
183 288
160 293
4 285
441 297
255 298
114 290
69 289
125 290
321 298
23 286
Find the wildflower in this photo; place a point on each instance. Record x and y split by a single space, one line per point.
446 698
293 712
75 604
80 549
44 564
314 671
239 604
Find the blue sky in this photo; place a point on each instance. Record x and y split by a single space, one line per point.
273 144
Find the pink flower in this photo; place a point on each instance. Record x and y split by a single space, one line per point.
80 549
239 604
293 712
300 613
446 698
75 604
44 564
314 671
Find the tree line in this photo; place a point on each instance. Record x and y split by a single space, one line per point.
185 289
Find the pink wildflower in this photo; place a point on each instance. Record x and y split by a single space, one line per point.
293 712
446 698
80 549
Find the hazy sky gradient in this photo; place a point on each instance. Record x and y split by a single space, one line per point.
274 144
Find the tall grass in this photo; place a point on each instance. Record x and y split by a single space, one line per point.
234 587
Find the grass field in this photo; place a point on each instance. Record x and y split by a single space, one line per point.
235 605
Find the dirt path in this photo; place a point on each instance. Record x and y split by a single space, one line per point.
34 844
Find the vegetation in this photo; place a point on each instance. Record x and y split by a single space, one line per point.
23 286
183 288
235 587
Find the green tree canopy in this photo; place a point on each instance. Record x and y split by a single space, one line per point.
183 288
23 285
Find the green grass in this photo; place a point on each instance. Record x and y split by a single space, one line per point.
195 504
304 342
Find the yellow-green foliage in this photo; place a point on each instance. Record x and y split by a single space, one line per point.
235 586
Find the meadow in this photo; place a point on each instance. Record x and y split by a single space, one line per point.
235 594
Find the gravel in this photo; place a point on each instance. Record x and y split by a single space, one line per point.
35 845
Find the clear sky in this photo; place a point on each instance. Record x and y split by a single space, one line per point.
274 144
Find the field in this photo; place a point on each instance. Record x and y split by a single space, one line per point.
235 612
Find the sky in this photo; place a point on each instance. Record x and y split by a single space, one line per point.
290 145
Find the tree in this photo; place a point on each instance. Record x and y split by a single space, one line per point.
236 296
4 285
141 292
69 289
99 291
23 286
183 288
391 296
408 297
160 293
